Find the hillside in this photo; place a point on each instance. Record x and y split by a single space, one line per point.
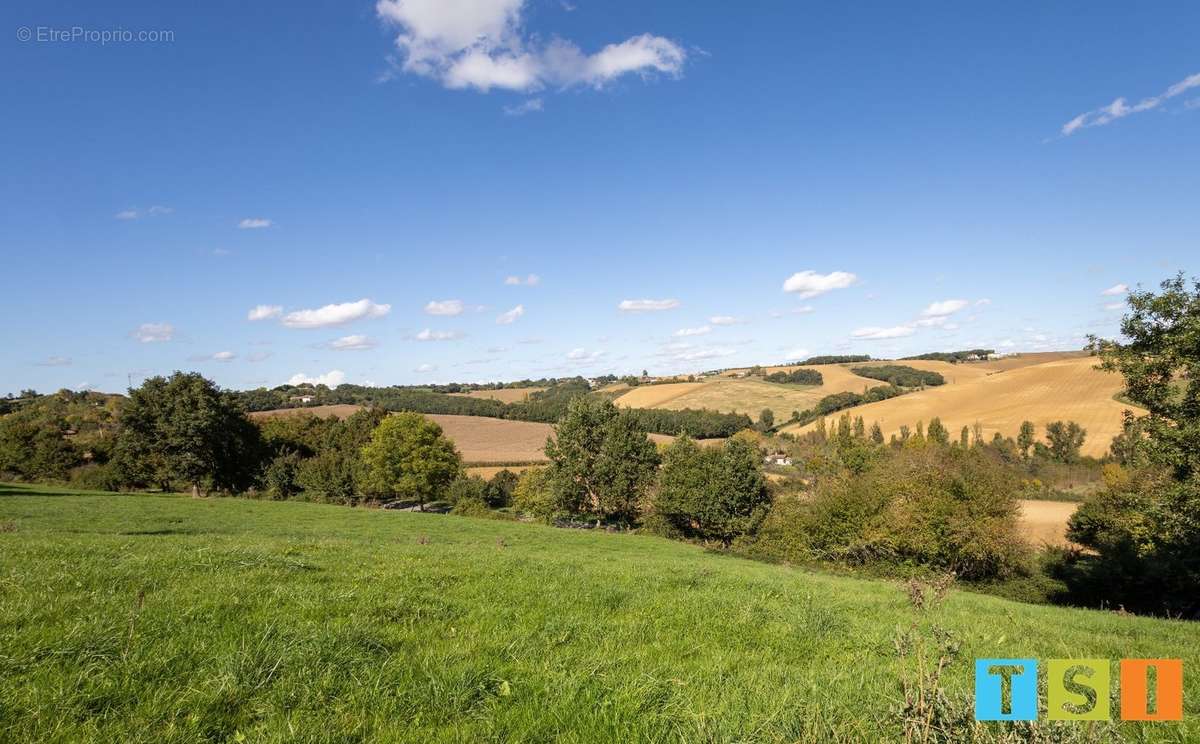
729 394
125 618
1067 389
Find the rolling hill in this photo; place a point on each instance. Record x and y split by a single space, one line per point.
1067 388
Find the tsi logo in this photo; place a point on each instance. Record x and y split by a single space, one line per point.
1077 689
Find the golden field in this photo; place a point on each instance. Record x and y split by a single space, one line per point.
1068 389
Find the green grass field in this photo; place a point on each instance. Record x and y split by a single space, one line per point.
140 618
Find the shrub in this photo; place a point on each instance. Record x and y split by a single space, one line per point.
712 494
96 477
280 476
470 488
534 495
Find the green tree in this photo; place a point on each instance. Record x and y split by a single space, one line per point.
964 437
938 432
409 456
1026 438
766 419
712 494
1066 439
876 433
601 462
1143 530
184 429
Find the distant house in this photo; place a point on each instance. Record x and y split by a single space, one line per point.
777 459
303 399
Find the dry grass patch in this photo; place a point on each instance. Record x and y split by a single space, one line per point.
504 395
337 411
1045 522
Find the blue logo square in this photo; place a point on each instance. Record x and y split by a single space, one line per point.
994 678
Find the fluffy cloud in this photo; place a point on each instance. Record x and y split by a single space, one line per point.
810 283
224 356
332 379
481 44
698 331
149 333
875 333
264 312
723 320
333 315
646 306
444 307
254 223
356 342
1115 290
508 318
943 308
432 335
1120 108
532 280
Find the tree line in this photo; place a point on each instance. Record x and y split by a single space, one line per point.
900 375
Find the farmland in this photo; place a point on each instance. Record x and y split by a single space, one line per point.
745 395
504 395
1064 389
125 619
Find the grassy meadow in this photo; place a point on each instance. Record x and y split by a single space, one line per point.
158 618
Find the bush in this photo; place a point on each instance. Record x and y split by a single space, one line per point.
929 507
96 477
712 494
499 493
465 489
331 477
900 375
534 496
796 377
280 476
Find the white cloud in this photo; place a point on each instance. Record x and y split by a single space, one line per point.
1120 108
149 333
802 310
1116 289
254 223
1115 306
134 214
581 354
332 379
943 308
264 312
937 320
356 342
810 283
526 107
432 335
425 368
332 315
482 44
532 280
444 307
698 331
875 333
798 354
55 361
508 318
646 306
697 353
724 320
224 356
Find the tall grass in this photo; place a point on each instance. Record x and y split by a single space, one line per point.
140 618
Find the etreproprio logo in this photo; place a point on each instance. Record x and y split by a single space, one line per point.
1078 689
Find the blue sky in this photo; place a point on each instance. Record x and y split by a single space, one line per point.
377 183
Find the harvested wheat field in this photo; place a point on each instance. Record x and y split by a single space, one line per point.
749 396
504 395
487 472
337 411
481 439
1045 522
1068 389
